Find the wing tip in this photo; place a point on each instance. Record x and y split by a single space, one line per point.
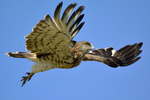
132 58
61 3
131 62
140 44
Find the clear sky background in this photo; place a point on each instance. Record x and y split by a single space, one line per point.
107 23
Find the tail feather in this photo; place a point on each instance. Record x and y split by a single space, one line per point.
21 55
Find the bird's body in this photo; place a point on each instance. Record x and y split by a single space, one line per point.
51 45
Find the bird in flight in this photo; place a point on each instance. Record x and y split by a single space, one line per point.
51 45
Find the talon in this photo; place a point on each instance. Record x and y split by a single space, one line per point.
26 78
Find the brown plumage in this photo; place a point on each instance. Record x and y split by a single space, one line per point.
51 45
122 57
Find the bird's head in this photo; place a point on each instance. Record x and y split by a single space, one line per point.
83 46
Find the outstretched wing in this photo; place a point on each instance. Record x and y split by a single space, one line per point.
123 57
55 36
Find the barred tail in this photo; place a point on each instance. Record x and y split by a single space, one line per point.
21 55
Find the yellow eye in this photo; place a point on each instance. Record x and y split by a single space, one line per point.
86 44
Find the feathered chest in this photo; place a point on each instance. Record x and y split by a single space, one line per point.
57 61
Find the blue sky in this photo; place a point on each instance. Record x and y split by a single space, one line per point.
107 23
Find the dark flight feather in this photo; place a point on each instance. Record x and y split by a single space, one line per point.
123 57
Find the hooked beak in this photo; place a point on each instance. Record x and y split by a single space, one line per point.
92 48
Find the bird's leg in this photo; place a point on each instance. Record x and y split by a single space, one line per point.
27 78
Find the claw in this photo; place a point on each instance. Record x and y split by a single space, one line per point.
26 78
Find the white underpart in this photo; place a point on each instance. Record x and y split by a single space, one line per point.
41 66
113 52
